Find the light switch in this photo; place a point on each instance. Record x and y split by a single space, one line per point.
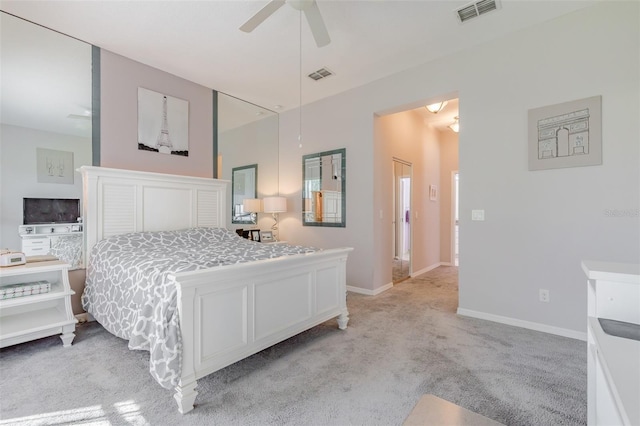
477 214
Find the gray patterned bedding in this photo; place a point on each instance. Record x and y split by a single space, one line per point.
128 291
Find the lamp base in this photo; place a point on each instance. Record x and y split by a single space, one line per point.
274 227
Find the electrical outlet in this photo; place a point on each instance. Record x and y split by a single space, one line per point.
477 214
544 295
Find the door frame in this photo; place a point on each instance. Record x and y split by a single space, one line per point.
455 207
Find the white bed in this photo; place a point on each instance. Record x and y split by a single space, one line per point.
226 313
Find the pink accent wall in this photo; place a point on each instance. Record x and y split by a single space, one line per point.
120 79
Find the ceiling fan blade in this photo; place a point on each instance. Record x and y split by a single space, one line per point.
79 117
261 15
316 23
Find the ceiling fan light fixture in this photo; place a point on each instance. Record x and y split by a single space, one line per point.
437 107
455 126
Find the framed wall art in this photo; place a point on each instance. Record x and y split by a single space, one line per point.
54 166
163 123
566 135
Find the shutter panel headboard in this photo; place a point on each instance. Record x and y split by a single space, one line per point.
123 201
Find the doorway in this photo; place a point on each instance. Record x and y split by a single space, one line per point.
401 269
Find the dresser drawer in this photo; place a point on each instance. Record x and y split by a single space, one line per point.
36 246
36 242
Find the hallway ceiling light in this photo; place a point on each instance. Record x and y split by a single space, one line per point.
455 126
437 107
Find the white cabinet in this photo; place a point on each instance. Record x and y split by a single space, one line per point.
35 316
36 245
613 363
38 239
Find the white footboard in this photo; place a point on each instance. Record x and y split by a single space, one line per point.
232 312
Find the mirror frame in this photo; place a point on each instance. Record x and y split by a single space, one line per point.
236 175
343 187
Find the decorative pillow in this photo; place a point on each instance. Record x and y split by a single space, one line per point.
68 249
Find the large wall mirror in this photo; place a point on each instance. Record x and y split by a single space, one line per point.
323 193
45 113
247 142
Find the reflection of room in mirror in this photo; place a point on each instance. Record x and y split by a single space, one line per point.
46 119
324 189
247 134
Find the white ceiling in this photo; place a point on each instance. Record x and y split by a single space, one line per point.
200 40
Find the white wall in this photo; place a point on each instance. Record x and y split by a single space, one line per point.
539 225
18 175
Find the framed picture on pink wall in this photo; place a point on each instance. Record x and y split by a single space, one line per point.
163 123
433 192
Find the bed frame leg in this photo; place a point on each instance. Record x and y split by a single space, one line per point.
343 319
185 396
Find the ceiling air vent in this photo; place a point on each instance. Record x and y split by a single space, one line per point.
320 74
475 9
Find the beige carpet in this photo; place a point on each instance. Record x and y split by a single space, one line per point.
401 344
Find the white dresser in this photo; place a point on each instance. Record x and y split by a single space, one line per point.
38 239
613 363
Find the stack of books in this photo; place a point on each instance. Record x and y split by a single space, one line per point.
24 289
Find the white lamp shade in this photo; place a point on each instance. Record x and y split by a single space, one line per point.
252 205
275 204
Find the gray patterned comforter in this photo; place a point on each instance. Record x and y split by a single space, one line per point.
128 291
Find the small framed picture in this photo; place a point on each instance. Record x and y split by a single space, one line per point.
255 235
266 236
433 192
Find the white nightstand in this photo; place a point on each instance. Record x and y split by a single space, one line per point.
40 315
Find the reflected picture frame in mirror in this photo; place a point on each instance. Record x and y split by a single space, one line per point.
324 189
244 184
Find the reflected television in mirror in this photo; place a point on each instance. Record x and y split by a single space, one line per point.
323 192
50 210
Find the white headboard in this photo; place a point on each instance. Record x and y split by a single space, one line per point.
122 201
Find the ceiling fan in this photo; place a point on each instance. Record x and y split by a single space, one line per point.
311 12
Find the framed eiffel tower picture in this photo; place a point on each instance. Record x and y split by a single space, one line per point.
163 123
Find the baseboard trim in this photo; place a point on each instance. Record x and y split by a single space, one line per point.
368 292
565 332
83 317
427 269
